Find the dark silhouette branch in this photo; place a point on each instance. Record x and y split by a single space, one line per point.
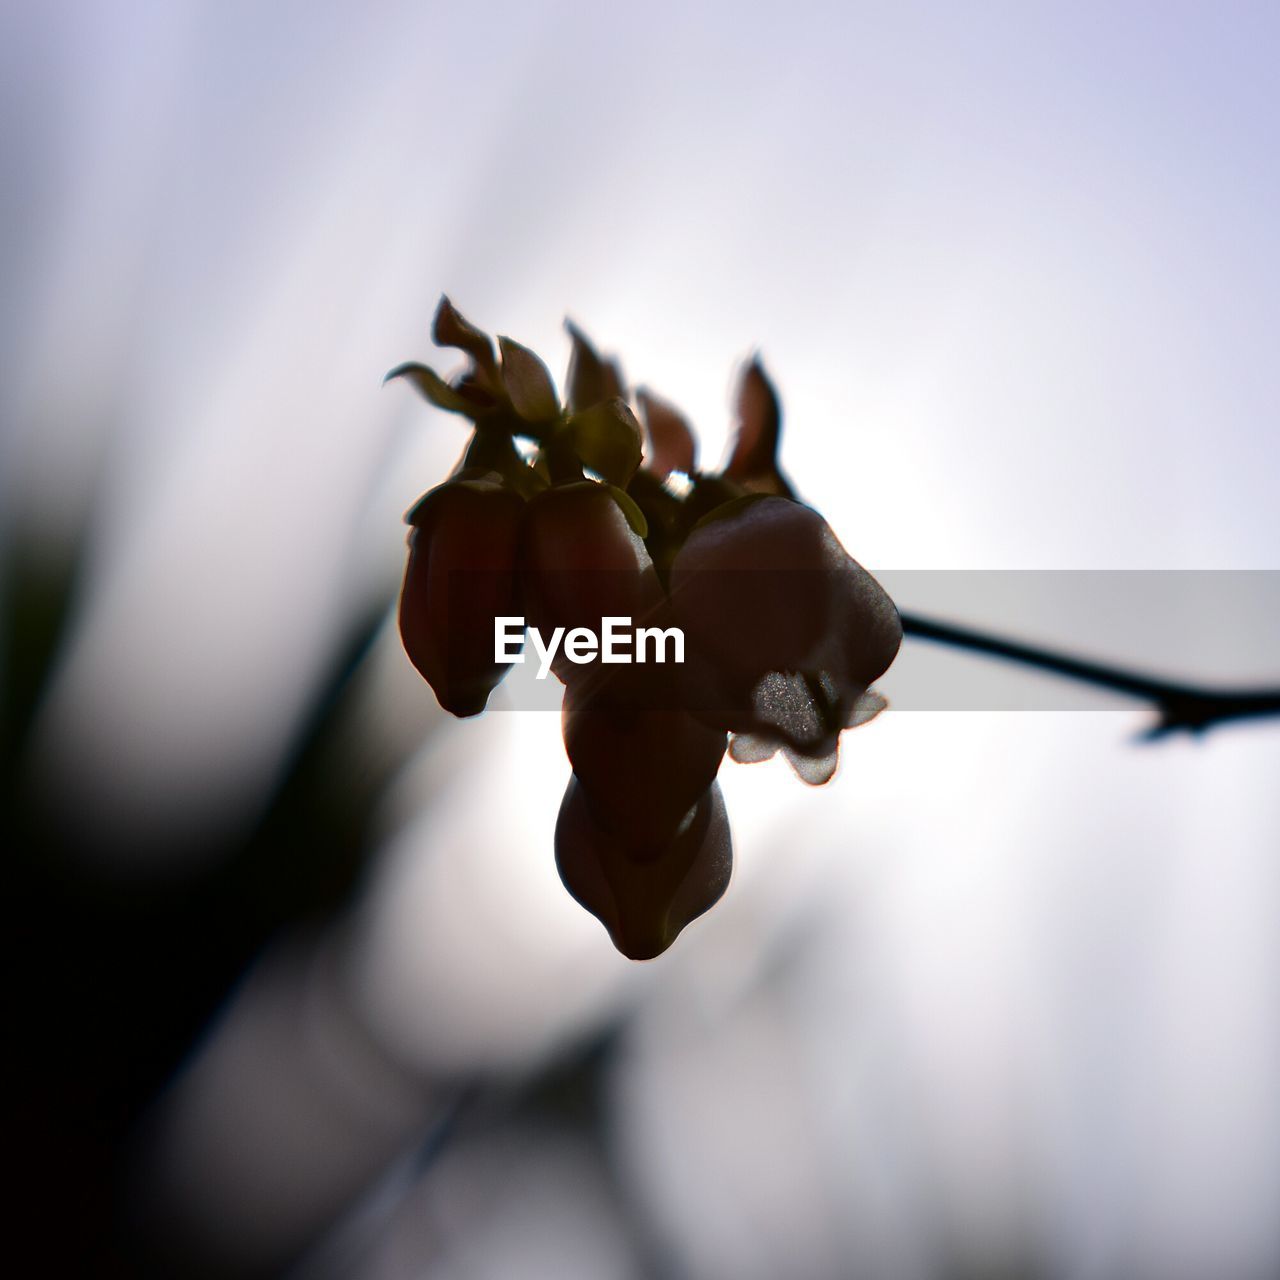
1193 708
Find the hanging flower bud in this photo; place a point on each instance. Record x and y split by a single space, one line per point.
644 905
582 561
643 766
775 634
785 631
460 576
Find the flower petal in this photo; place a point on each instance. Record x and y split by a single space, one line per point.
429 384
591 378
754 459
671 442
528 382
451 329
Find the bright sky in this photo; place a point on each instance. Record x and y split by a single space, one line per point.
1015 270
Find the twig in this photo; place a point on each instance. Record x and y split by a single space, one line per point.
1180 706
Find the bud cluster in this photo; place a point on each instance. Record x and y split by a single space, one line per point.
571 515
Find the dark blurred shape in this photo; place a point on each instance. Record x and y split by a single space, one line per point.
111 979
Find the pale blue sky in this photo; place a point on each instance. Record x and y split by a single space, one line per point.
1015 270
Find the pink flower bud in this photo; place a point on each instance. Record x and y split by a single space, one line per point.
643 766
580 562
784 630
644 905
460 576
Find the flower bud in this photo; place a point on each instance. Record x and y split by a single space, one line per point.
460 577
784 630
642 766
581 562
645 905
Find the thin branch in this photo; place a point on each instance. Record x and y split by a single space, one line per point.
1180 706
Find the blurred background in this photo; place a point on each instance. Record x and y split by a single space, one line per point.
293 986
